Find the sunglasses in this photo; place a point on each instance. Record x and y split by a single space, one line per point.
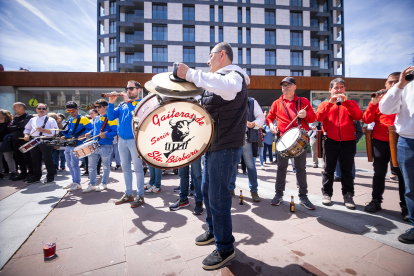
70 111
131 88
99 106
41 108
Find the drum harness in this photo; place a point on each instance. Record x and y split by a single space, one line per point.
103 126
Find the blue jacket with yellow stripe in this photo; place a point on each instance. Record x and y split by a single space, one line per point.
83 127
124 114
111 129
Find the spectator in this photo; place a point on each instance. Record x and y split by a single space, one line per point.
5 120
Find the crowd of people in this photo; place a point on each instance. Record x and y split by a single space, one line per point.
245 134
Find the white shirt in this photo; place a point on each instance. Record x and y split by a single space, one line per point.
36 122
258 115
226 86
400 101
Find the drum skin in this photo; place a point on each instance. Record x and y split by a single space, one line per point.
171 133
292 143
29 145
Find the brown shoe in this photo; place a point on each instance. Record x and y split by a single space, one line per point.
124 199
255 197
137 202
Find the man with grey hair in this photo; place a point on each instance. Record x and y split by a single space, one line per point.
225 98
337 116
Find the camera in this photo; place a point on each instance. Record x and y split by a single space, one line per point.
410 76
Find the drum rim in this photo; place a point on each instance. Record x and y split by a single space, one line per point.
301 131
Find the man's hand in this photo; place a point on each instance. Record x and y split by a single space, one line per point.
102 135
87 135
302 113
62 138
333 99
273 128
377 98
125 95
313 127
250 124
182 70
112 99
402 82
26 137
40 129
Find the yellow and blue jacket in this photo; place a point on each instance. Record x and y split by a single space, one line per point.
111 129
83 127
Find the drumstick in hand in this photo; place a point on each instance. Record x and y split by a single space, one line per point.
95 136
295 118
255 124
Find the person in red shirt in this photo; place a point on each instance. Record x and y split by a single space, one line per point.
337 116
381 151
284 110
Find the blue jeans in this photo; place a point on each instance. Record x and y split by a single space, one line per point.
338 170
73 165
260 151
59 154
218 169
117 157
183 173
155 176
267 147
406 162
128 153
105 153
247 152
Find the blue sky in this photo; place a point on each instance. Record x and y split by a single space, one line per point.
60 35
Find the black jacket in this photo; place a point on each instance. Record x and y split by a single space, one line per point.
18 124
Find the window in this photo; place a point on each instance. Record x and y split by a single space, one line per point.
314 3
240 55
239 1
296 38
325 25
131 57
189 54
326 44
269 2
296 3
296 73
112 45
188 12
296 58
102 11
248 40
220 14
314 42
211 13
248 71
160 53
314 23
159 32
270 57
248 56
112 64
112 7
247 1
159 69
325 63
112 27
325 7
339 19
296 19
247 15
212 35
270 17
101 47
188 33
220 34
270 72
101 29
315 62
159 11
239 35
239 15
270 37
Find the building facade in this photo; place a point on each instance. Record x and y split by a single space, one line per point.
269 37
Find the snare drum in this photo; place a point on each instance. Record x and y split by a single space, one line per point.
29 145
86 149
171 133
292 143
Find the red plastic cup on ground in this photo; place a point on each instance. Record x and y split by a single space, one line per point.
49 250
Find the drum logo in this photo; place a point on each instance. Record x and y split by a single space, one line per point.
180 131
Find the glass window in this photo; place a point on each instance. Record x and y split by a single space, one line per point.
188 12
131 57
220 34
270 17
296 3
270 72
315 42
239 15
112 64
296 58
139 13
270 57
248 40
248 71
247 1
101 47
296 73
101 29
270 37
240 55
188 33
314 3
325 7
159 69
339 19
326 44
247 15
296 19
239 1
160 53
102 11
211 13
112 27
314 23
325 63
248 56
189 54
212 35
296 38
112 8
239 35
325 25
112 45
159 11
220 19
159 32
315 62
269 2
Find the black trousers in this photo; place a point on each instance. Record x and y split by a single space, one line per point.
345 152
382 154
23 160
47 153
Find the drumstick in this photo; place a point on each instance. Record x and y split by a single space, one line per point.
94 137
254 124
295 118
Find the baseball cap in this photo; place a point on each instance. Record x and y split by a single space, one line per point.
289 80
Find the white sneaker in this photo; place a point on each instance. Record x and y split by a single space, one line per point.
67 186
148 187
90 188
74 187
263 168
101 187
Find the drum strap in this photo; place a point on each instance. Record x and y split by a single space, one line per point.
297 108
44 124
76 126
103 126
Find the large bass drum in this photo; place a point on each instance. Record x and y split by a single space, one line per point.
171 133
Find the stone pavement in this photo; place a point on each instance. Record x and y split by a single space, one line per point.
96 237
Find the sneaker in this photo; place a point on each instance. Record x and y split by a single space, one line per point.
394 177
101 187
90 188
62 169
275 162
232 192
255 197
263 168
124 198
137 202
177 189
315 166
74 187
192 190
337 179
48 181
407 237
147 187
117 167
67 186
20 177
305 202
153 190
277 200
326 200
216 259
373 206
86 173
179 204
205 238
294 170
349 202
244 172
12 176
198 209
33 180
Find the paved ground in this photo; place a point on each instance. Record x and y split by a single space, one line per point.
96 237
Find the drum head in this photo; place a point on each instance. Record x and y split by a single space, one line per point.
174 135
288 139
